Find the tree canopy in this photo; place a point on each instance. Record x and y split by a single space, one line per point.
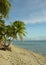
4 7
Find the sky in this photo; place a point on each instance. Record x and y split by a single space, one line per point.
33 14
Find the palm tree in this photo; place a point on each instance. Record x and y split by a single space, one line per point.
19 29
4 7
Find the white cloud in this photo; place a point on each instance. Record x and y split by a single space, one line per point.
36 17
36 20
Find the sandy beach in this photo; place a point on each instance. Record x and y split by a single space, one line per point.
19 56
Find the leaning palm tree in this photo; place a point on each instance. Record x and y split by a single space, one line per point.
4 7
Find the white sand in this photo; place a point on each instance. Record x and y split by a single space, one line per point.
20 56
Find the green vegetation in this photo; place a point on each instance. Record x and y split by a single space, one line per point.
4 8
12 31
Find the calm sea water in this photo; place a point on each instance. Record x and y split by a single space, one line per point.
36 46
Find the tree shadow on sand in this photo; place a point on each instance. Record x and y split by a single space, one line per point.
5 48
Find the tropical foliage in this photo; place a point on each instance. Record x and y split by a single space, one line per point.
19 29
4 7
12 31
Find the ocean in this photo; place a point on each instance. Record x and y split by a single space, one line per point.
35 46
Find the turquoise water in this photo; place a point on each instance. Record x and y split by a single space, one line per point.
36 46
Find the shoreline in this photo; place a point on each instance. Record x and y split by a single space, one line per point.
30 49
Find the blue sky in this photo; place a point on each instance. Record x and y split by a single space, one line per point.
33 13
